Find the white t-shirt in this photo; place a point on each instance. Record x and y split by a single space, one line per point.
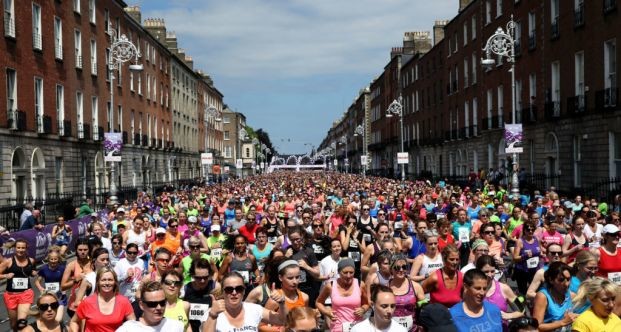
365 326
91 277
328 266
128 287
252 317
589 232
168 325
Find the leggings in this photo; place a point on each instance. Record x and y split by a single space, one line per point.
523 279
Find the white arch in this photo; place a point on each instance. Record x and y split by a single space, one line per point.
295 160
37 174
100 174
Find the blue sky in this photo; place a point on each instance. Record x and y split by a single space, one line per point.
293 67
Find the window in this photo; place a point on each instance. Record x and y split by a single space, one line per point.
79 106
93 57
58 174
120 118
107 20
95 114
490 101
474 68
610 73
58 38
139 83
518 101
500 94
532 29
9 18
488 12
556 88
467 118
38 102
517 37
148 86
475 114
498 8
131 81
247 152
554 10
578 13
37 44
132 120
615 145
579 73
11 90
227 135
226 119
91 11
228 152
78 48
473 27
465 33
76 6
466 66
60 108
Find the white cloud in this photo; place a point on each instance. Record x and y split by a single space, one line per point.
295 38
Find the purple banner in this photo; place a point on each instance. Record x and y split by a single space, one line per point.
40 241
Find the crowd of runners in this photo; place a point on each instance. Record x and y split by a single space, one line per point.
316 251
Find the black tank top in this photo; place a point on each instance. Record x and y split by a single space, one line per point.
34 326
17 284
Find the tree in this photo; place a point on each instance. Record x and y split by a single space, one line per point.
264 138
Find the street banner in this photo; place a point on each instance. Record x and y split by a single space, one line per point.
513 138
239 164
113 143
226 169
403 158
363 160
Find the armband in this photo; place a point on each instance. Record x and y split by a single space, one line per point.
422 303
519 303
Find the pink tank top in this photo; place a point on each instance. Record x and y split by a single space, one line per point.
497 298
343 307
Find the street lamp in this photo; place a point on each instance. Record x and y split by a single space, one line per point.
121 50
255 143
242 136
333 147
346 161
360 131
213 112
396 108
502 44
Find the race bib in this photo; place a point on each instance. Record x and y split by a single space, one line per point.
216 253
406 321
347 326
134 288
245 275
302 275
398 225
366 237
354 255
615 277
272 240
532 262
20 283
53 287
261 265
464 234
199 312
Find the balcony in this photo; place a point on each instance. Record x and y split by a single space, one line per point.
532 41
58 52
145 140
160 143
576 105
463 133
80 130
125 137
96 131
44 124
36 41
485 124
87 131
78 61
12 119
579 15
609 6
554 31
552 110
9 25
66 128
93 68
136 139
606 100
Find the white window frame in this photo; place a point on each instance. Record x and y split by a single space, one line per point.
77 36
107 22
60 108
39 103
579 73
466 69
465 33
473 27
79 110
76 6
500 108
610 63
92 15
139 83
37 35
9 18
95 115
93 57
577 159
488 12
498 8
58 38
226 135
475 116
475 60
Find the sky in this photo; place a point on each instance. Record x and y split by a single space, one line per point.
293 67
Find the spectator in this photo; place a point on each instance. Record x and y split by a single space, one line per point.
25 214
31 220
84 209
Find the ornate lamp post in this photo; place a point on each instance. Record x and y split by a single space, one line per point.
333 147
502 44
346 160
121 50
242 135
360 131
396 108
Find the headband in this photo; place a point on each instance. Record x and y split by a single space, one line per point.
287 263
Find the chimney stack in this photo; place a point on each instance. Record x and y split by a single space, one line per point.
463 4
438 31
134 12
416 42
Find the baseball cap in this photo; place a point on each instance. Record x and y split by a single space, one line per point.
215 228
610 229
94 214
120 210
192 219
160 230
436 318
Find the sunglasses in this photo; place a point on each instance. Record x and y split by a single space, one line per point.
489 232
400 267
175 283
47 306
530 229
201 278
195 247
131 253
236 289
555 253
317 226
116 243
172 226
365 209
154 304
